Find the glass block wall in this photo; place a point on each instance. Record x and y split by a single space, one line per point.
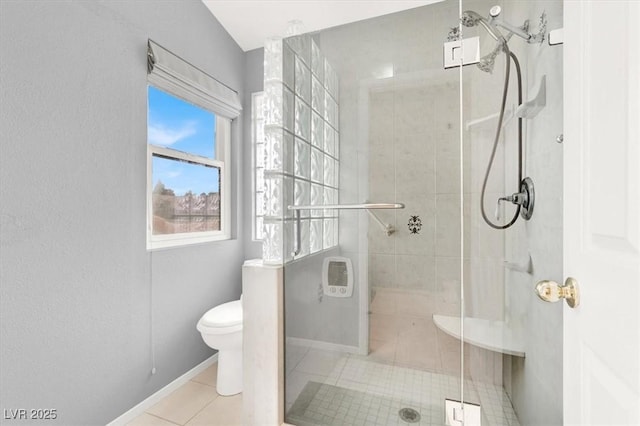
258 142
301 162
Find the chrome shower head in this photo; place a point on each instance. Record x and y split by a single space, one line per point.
469 18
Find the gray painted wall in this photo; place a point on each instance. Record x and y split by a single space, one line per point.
76 279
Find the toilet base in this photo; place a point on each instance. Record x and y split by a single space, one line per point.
229 372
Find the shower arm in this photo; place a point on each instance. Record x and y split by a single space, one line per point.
365 206
523 31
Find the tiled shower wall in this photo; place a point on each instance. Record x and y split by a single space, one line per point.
414 159
399 114
301 165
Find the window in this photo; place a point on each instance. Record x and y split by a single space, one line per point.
186 199
188 145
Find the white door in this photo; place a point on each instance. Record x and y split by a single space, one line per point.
602 211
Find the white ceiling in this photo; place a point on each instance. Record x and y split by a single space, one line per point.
250 22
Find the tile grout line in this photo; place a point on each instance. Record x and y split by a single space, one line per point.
306 352
162 418
202 409
198 412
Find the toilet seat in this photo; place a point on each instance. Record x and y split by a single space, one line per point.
225 318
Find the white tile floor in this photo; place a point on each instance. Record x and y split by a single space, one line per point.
411 364
359 390
195 403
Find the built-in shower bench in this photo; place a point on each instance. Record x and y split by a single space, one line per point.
493 335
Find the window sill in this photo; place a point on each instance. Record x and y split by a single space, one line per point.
168 242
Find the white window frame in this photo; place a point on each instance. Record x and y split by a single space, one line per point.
179 78
222 141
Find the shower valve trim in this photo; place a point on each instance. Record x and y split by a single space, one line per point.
525 199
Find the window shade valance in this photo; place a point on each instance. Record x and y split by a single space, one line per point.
175 74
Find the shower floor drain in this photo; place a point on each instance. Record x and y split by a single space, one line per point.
409 415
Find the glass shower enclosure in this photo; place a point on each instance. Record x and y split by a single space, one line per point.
362 348
379 300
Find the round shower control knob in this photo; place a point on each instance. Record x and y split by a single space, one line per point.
495 11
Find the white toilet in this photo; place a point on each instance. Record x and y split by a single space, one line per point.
221 329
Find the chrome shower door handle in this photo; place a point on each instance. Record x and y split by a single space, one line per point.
551 291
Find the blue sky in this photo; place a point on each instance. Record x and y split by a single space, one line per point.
177 124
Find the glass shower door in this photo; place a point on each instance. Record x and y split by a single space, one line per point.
378 122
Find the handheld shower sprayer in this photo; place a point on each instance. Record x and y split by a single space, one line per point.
523 200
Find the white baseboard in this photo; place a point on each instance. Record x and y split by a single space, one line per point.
317 344
156 397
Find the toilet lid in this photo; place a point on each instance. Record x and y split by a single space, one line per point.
225 315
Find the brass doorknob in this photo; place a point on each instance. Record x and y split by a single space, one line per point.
551 291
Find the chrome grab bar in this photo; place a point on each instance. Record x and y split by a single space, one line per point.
365 206
386 227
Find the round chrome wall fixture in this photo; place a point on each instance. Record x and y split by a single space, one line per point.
526 188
